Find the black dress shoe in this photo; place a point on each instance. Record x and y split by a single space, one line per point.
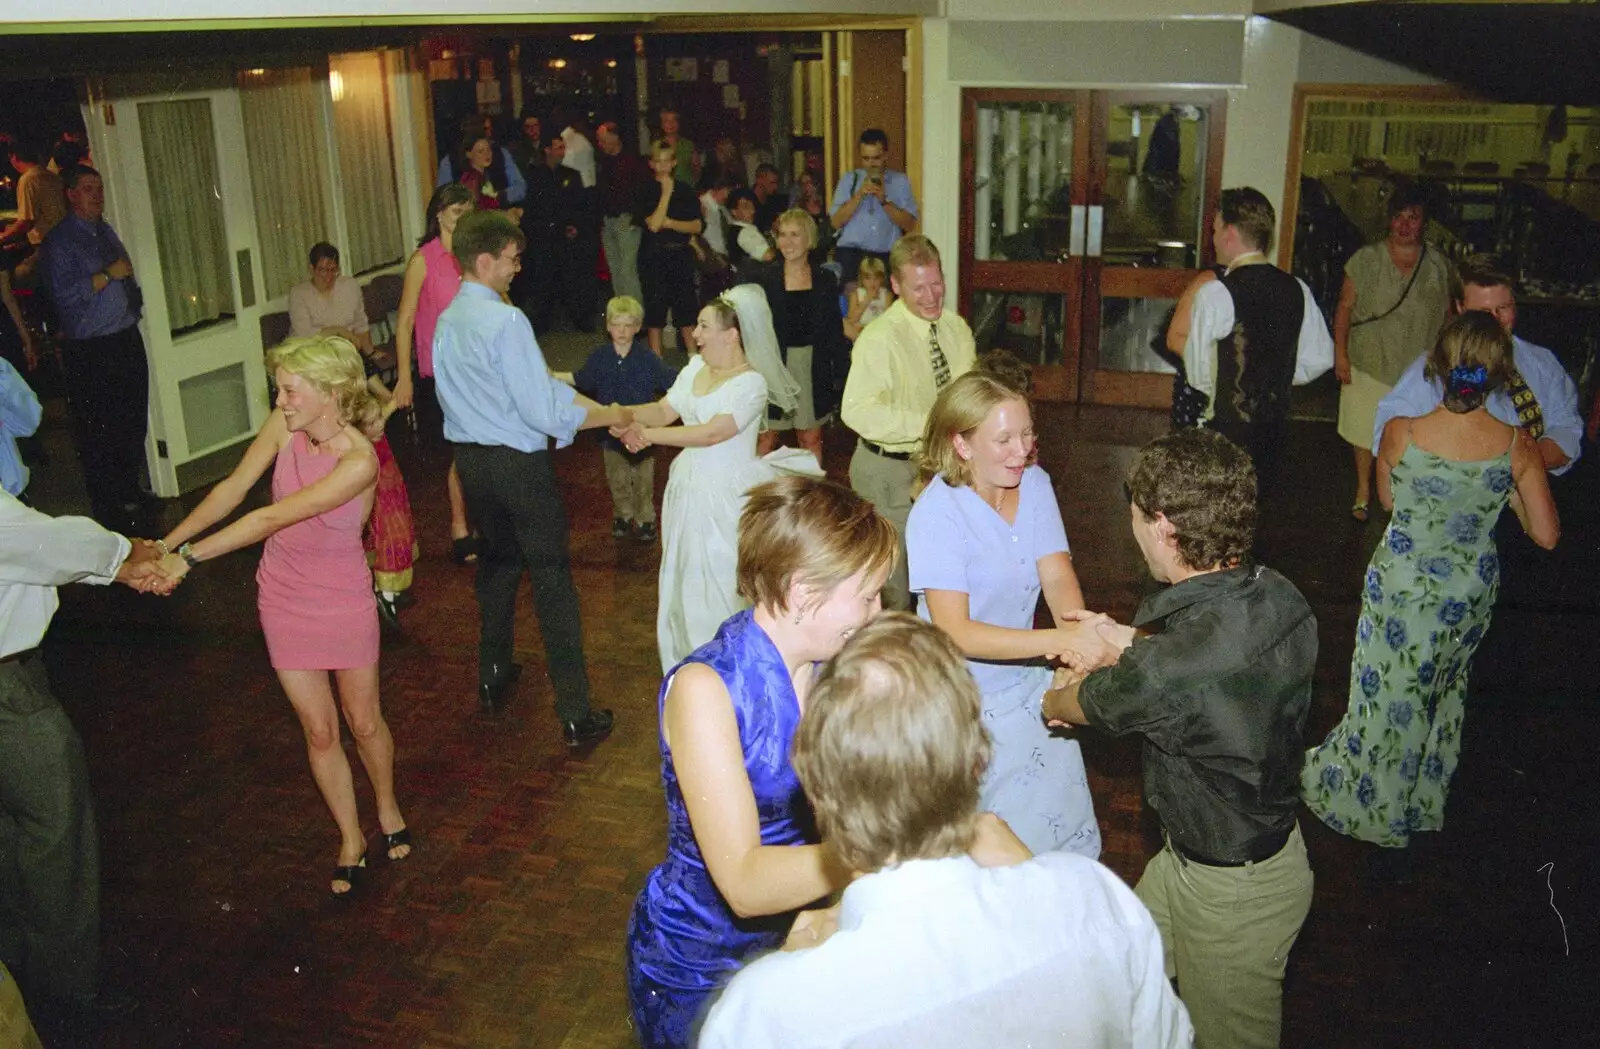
388 614
647 532
493 697
591 728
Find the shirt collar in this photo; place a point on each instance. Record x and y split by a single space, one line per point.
902 887
479 291
1194 590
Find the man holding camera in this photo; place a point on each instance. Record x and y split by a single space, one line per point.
872 206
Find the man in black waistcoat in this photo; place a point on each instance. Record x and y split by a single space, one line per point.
1249 334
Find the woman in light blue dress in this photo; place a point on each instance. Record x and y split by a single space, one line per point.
984 540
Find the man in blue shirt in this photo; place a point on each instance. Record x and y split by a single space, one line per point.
90 279
19 417
502 410
1541 398
872 206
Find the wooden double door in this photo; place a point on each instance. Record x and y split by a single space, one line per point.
1084 214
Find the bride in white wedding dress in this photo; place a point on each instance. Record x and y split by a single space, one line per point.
721 396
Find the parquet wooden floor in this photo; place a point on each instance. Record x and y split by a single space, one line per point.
506 926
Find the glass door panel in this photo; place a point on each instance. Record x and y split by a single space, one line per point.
1157 159
1024 177
1022 181
1155 183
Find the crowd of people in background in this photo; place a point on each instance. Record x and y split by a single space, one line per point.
930 745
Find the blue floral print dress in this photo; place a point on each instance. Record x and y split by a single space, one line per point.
1383 772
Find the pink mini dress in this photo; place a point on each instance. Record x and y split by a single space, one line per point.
440 285
314 589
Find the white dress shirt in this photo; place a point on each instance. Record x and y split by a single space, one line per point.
1211 318
39 553
944 953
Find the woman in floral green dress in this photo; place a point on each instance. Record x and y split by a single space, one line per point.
1382 773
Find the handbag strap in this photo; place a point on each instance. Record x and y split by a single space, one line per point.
1402 300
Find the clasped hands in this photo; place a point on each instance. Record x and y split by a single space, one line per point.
1089 641
149 571
630 432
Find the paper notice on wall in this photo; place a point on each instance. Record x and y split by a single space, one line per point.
683 70
719 71
730 96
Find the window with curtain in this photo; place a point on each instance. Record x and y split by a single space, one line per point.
284 140
180 158
366 162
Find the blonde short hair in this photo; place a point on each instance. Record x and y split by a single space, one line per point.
333 366
960 408
661 147
892 746
871 266
913 249
624 308
808 531
802 218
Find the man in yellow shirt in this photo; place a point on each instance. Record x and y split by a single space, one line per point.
900 363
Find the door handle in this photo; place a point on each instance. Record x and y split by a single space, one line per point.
1097 226
1075 233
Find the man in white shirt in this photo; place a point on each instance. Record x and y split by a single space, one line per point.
49 851
932 950
1248 335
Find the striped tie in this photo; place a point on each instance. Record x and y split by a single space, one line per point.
941 367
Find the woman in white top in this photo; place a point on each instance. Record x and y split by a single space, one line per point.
720 398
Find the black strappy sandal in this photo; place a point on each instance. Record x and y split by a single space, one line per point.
349 876
401 837
465 549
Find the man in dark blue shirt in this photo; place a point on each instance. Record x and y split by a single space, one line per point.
624 371
90 279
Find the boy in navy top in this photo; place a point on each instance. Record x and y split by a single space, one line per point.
625 371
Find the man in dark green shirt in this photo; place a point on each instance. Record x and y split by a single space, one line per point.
1219 688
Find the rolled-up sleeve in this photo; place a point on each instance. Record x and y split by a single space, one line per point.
899 192
1130 696
1210 319
1314 354
38 550
541 402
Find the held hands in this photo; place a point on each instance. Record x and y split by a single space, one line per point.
147 571
1079 644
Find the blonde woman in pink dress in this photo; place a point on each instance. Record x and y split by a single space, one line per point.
315 590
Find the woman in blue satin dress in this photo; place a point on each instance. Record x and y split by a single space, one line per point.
742 855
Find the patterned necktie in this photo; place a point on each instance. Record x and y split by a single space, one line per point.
941 367
1530 416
